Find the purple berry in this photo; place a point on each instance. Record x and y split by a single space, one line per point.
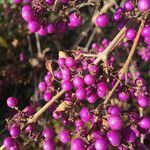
29 110
48 133
143 5
75 19
81 93
102 21
128 135
78 82
8 142
114 137
12 102
145 122
77 144
61 62
114 110
50 28
85 114
101 143
70 62
50 2
102 89
67 85
33 26
115 122
130 34
92 98
42 31
15 131
123 96
42 86
89 79
64 136
146 31
128 5
47 96
143 102
48 144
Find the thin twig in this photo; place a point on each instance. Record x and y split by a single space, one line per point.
126 65
38 44
90 39
41 111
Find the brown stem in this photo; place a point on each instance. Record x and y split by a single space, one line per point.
126 65
104 54
41 111
45 107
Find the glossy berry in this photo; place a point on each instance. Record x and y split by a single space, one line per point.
143 5
67 85
102 21
48 133
143 102
47 96
27 13
30 110
92 98
48 144
123 96
115 122
128 135
79 123
102 89
145 122
50 28
15 147
50 2
128 5
33 26
56 115
29 128
146 31
17 1
58 75
130 34
89 79
61 62
75 19
85 114
117 17
78 81
81 93
64 136
77 144
8 142
15 131
12 102
101 143
42 86
114 110
70 62
43 30
66 74
114 137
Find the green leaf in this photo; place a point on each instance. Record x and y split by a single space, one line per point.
3 43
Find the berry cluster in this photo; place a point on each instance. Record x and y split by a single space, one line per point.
89 117
42 16
81 109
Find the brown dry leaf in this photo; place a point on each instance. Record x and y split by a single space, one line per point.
63 106
62 54
15 43
49 67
